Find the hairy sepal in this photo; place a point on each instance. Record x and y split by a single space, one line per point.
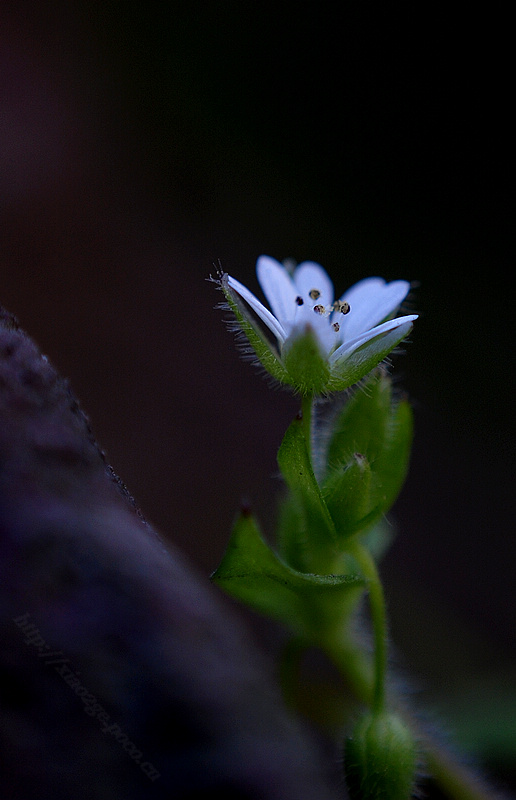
264 351
307 367
353 367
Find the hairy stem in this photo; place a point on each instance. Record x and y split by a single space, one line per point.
379 620
307 401
368 681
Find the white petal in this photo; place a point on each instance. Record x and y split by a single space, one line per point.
265 315
278 288
327 335
404 325
371 301
308 276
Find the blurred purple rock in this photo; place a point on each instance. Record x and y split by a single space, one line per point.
124 674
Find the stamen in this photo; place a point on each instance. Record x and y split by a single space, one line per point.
342 306
299 300
319 309
314 294
336 327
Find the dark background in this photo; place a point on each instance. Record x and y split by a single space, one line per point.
141 143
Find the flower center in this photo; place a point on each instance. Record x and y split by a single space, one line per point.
339 306
342 306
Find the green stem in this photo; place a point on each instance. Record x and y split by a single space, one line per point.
379 619
456 780
368 567
354 665
453 778
307 401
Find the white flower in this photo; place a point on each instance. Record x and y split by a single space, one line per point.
322 345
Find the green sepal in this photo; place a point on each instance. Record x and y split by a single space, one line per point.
352 368
318 536
306 366
252 572
264 350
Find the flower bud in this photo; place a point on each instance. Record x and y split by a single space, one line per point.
347 492
367 456
380 759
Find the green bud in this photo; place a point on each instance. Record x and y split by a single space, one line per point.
367 456
347 494
364 421
380 759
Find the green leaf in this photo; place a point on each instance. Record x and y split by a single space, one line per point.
319 536
292 534
253 573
